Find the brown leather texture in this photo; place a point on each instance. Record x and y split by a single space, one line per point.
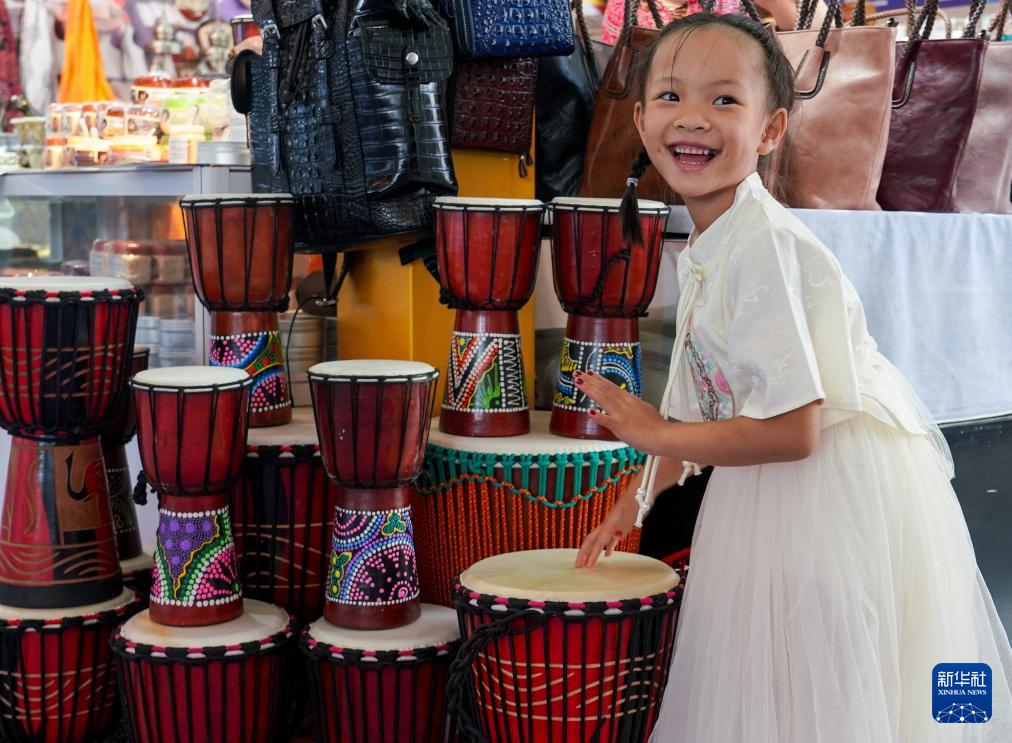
493 104
984 178
936 98
836 138
613 142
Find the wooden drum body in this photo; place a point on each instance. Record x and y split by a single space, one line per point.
482 497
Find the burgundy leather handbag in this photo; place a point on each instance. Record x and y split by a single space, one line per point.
934 103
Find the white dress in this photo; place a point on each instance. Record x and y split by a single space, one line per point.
824 591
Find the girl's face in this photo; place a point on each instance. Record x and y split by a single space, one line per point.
705 119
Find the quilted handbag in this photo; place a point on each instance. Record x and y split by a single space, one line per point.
934 103
511 28
493 106
348 115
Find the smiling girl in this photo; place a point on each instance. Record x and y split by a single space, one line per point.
831 565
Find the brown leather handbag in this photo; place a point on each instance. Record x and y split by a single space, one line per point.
613 142
493 106
935 99
832 155
984 178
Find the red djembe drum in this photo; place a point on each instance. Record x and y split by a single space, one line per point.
227 683
115 436
283 514
57 678
241 252
585 658
386 686
191 431
487 250
372 418
605 287
64 362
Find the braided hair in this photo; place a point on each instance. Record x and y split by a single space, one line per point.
779 90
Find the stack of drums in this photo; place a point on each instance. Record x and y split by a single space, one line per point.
201 665
65 357
378 660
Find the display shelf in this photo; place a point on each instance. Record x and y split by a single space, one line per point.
151 181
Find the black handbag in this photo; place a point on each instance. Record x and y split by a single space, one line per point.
348 115
567 89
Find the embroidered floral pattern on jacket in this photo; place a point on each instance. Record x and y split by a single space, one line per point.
716 400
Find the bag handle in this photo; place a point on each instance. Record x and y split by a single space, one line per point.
903 14
748 7
997 27
587 45
630 18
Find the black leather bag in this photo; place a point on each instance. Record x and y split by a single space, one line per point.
348 115
566 91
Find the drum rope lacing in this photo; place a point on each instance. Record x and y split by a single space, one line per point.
645 495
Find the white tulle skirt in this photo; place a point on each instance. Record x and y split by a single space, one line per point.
821 595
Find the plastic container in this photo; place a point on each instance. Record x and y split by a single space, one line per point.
56 154
183 142
176 334
143 119
134 148
150 89
31 130
112 123
169 301
86 152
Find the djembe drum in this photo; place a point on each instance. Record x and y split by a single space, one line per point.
283 514
241 252
57 679
115 436
482 497
191 432
372 418
65 347
219 684
382 685
605 287
487 251
585 658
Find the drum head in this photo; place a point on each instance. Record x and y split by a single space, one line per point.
578 202
363 370
300 432
14 612
479 202
550 575
437 625
257 622
187 377
65 284
538 441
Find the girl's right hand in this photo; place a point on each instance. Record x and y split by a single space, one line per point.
616 525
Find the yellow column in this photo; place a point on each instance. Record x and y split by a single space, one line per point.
389 311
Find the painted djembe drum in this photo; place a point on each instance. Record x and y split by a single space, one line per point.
115 436
585 658
372 418
218 684
487 251
57 676
241 252
382 685
283 513
605 287
191 432
65 346
482 497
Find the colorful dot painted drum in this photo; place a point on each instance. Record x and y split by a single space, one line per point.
585 658
65 346
283 509
241 253
115 436
191 430
605 287
482 497
487 252
229 682
372 417
57 675
383 685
